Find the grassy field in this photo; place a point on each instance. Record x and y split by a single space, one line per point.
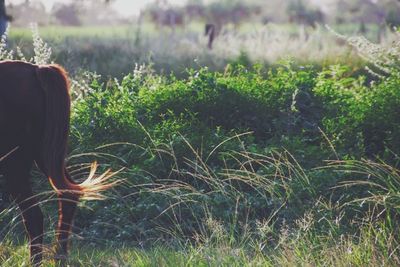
345 254
295 165
114 51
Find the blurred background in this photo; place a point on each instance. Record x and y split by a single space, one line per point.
110 37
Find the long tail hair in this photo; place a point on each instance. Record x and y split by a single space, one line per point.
54 82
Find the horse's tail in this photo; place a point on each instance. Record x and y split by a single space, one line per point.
54 82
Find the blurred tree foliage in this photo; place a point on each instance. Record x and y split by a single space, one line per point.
298 12
306 12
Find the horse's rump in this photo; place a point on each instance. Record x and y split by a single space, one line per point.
21 107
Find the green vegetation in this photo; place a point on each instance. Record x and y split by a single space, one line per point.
249 166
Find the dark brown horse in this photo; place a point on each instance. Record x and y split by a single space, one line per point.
34 127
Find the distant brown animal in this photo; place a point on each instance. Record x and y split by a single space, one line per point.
34 127
210 32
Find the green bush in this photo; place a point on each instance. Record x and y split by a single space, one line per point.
187 160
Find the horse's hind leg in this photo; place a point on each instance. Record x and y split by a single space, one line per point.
66 210
18 185
67 204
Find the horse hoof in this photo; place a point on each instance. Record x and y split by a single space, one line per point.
61 259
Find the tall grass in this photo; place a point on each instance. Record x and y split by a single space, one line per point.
312 237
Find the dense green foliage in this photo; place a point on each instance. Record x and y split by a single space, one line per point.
182 134
284 107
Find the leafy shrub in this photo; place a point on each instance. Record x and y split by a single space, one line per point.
189 159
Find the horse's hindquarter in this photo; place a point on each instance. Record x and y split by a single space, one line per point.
21 106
